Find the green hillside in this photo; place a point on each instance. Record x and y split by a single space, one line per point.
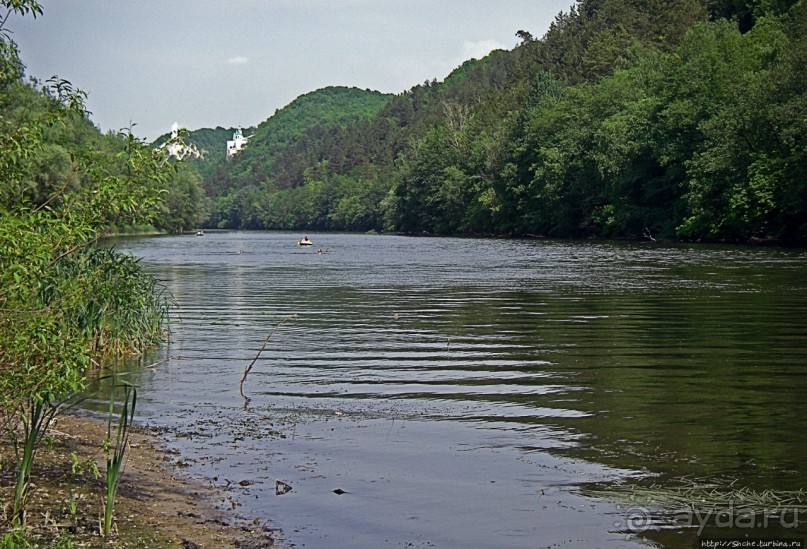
234 184
325 109
627 119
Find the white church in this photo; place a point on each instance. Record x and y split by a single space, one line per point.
237 143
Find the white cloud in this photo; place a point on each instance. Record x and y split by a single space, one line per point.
479 49
238 60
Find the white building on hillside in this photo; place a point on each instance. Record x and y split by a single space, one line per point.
237 143
179 150
173 147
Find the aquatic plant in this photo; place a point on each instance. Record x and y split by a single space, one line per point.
36 419
703 495
124 309
116 453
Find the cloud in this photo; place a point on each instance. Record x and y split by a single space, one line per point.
479 49
238 60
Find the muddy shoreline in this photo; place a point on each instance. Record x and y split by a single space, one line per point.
158 504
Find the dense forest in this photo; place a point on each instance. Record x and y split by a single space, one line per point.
278 155
635 119
627 119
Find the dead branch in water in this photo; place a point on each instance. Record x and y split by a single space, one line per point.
263 347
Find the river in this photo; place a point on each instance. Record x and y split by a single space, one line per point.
446 392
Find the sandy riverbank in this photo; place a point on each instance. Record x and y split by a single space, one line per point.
157 505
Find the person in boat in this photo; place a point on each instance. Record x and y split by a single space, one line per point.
305 240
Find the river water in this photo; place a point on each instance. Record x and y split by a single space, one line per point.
425 392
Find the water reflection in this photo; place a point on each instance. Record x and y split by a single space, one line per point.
669 362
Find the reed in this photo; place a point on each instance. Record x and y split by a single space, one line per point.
89 304
123 309
116 452
36 420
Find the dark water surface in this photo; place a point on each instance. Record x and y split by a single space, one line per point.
482 393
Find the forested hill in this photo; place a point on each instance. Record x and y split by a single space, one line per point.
627 119
275 148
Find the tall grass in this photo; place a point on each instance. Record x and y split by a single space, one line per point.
90 304
124 308
116 453
35 422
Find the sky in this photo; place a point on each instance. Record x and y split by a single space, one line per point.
230 63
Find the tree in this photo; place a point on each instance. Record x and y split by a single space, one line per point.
62 301
525 37
184 207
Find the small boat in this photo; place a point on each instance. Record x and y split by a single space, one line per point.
305 242
200 233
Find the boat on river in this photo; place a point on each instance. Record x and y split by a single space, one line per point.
305 242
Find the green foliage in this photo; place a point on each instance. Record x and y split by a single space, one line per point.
185 207
15 540
37 414
686 143
11 67
728 100
64 302
283 149
628 119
